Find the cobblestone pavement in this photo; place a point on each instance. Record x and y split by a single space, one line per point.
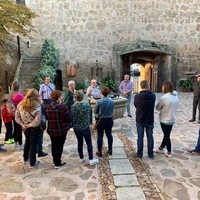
177 178
121 176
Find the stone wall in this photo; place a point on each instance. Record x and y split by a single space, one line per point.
86 30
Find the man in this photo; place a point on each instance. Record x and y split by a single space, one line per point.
196 150
126 88
45 95
144 102
196 98
45 90
93 91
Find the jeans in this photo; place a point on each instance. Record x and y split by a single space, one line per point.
30 146
166 139
0 124
128 104
40 142
105 124
17 133
57 143
80 134
150 141
196 102
9 129
197 148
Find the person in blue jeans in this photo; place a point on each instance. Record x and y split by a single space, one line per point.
144 102
81 119
104 119
196 150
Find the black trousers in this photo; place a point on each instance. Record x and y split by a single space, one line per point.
57 143
17 133
196 102
30 146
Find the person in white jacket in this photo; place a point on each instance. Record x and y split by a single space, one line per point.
167 106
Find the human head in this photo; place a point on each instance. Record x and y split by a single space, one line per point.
105 91
55 95
167 87
93 83
71 84
144 84
79 95
15 86
198 77
126 77
47 79
5 98
32 94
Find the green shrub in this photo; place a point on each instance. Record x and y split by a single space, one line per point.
48 64
109 82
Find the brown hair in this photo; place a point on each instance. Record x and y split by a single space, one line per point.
144 84
55 95
105 91
167 87
79 95
31 100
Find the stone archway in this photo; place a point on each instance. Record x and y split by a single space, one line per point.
160 56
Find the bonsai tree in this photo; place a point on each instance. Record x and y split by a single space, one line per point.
185 85
48 64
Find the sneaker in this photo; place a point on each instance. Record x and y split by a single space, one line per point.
193 151
58 166
82 160
26 161
2 150
42 154
168 155
12 140
35 165
192 120
159 151
8 142
94 161
151 156
71 129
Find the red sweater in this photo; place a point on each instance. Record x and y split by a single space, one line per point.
6 116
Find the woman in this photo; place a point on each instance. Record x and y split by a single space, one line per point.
81 119
104 119
16 96
28 115
59 119
168 107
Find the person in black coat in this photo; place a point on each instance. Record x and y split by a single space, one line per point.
144 102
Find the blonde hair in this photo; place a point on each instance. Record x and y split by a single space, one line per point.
31 100
14 88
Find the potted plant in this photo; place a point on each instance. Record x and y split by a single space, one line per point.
185 85
109 82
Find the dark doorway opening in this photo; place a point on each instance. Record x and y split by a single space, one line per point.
58 80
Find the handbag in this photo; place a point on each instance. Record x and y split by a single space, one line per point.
43 125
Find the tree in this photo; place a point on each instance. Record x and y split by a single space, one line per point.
14 18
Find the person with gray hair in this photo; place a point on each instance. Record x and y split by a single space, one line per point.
68 94
81 117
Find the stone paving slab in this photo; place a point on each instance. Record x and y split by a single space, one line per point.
121 166
130 193
125 180
118 153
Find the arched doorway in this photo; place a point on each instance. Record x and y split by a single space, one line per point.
155 61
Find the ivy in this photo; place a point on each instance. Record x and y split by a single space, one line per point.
48 64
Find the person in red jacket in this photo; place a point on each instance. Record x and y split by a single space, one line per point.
7 115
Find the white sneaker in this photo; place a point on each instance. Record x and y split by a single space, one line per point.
94 161
159 151
71 129
168 155
82 160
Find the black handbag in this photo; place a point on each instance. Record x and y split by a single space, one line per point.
43 125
